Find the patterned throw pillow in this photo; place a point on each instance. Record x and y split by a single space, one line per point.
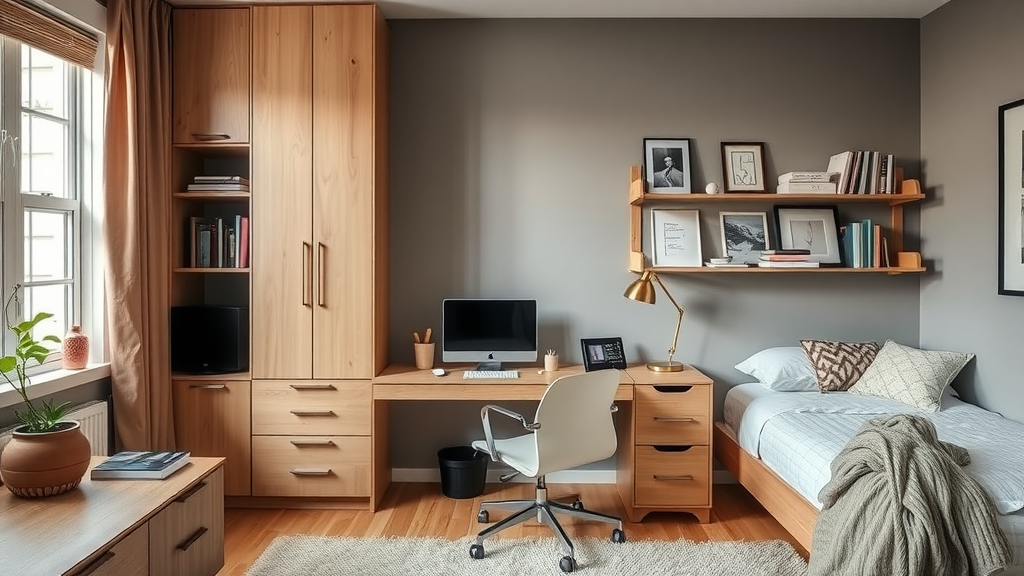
838 365
912 376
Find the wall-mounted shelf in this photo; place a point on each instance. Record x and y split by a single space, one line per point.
907 262
211 270
214 196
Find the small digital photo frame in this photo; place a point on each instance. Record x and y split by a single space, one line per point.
602 353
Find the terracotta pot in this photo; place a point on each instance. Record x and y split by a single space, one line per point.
36 464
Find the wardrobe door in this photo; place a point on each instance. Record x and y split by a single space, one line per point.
282 243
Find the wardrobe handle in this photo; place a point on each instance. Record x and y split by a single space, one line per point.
311 471
312 386
207 386
301 443
210 136
307 270
320 274
684 477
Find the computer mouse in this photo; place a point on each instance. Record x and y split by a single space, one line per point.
438 371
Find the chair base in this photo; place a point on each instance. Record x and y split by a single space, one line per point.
544 510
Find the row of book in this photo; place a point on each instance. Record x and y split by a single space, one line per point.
219 184
864 245
212 243
849 172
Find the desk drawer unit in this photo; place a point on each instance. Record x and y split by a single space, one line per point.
673 414
318 408
187 537
130 556
328 466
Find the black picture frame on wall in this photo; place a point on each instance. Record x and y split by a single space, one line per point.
667 165
1011 199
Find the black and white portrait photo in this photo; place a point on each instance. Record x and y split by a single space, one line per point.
667 165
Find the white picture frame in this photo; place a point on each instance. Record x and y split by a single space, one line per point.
667 165
812 227
744 235
675 238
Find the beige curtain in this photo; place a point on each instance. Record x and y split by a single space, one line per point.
137 163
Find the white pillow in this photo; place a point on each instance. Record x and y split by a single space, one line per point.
783 369
912 376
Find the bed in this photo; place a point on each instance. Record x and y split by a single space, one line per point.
779 445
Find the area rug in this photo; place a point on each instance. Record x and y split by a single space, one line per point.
323 556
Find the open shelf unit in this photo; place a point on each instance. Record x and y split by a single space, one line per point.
906 262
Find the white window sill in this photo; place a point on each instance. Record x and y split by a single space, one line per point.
49 383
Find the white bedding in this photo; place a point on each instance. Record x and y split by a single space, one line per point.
797 435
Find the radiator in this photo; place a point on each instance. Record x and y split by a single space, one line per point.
95 423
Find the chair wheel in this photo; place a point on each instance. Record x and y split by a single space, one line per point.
567 564
577 505
483 517
476 551
618 536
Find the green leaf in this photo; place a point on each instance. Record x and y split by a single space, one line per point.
7 363
40 317
51 338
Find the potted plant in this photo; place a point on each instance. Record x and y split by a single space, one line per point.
47 454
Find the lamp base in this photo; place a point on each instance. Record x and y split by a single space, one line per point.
666 366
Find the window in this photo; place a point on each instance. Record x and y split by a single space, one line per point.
49 152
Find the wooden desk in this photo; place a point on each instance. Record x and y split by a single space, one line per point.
664 431
124 527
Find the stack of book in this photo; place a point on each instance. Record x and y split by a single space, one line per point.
808 183
788 258
865 172
219 184
139 466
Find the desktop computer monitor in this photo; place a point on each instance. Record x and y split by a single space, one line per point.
488 331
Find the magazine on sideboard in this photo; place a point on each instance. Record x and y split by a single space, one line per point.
139 466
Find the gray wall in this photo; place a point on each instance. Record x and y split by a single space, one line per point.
971 57
511 143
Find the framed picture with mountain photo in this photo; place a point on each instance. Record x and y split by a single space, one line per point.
812 227
667 165
744 235
1011 199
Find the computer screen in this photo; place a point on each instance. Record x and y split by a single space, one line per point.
488 331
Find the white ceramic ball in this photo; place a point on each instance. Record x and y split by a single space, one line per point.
712 188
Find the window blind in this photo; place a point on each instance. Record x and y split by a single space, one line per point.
40 29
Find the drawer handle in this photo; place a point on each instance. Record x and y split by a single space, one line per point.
313 412
312 442
190 493
97 563
682 477
671 448
184 546
667 419
210 136
207 386
313 386
311 471
673 389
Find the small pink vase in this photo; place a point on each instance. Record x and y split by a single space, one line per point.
76 349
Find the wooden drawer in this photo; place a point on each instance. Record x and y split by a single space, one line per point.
307 466
665 478
187 536
673 414
129 557
313 407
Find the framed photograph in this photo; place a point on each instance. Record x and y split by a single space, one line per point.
667 165
676 238
743 166
1011 199
744 235
812 227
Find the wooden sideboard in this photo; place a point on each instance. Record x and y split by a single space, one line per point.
120 527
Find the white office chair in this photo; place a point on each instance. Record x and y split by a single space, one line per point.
573 426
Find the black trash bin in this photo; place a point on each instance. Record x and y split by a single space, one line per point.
463 471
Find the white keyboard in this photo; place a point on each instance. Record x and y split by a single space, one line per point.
490 374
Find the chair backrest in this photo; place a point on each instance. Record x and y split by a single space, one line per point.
575 419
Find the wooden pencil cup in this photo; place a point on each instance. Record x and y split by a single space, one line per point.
424 355
550 362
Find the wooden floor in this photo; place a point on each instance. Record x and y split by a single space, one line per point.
421 510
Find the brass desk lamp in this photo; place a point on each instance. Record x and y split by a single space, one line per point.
642 290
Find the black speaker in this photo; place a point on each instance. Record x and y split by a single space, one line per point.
209 339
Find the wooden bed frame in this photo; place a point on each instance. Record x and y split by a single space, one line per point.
792 510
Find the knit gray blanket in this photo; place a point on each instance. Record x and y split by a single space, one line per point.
899 504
